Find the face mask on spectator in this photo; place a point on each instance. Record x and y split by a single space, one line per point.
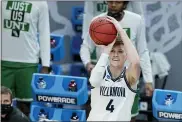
5 108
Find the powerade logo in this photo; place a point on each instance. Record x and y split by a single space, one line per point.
169 115
55 99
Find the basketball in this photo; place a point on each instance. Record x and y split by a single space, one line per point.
102 31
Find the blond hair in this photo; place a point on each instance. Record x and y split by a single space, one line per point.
118 40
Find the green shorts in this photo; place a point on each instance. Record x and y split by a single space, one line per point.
17 77
135 107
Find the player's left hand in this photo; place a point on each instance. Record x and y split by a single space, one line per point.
115 22
45 70
149 89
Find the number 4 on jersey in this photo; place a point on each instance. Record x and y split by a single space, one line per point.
110 107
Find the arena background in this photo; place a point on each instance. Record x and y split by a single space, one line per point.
163 31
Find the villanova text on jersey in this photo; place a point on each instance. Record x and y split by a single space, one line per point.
112 91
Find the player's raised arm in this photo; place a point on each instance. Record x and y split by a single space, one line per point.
98 71
44 36
133 71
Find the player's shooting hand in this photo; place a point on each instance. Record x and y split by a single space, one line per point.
45 70
149 89
115 22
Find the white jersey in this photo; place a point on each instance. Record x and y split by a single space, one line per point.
22 21
113 100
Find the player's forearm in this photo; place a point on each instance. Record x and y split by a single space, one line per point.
145 63
45 49
131 51
146 67
44 34
144 53
87 47
98 71
85 54
45 54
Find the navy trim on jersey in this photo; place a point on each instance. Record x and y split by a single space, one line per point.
127 83
104 74
114 80
122 75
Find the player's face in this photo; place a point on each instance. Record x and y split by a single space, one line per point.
117 56
115 6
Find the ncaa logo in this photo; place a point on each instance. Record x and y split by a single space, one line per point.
108 76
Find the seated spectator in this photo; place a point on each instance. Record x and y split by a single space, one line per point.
8 112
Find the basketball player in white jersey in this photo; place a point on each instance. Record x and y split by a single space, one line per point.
115 85
135 28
